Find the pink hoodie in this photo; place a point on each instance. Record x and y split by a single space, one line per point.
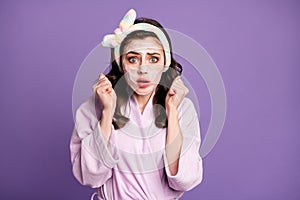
133 164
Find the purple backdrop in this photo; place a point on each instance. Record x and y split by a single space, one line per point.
255 45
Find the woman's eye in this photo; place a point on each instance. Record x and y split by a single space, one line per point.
132 59
153 60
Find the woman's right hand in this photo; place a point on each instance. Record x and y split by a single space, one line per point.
106 93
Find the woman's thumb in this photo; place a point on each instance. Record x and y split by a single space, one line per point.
171 92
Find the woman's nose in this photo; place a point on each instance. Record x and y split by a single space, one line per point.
143 66
143 69
143 61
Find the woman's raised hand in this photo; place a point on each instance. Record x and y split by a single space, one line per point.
176 94
106 93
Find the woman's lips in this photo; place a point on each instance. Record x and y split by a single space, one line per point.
143 82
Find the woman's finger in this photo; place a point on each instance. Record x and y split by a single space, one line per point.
180 90
103 89
102 86
103 82
100 80
109 89
179 85
171 91
101 76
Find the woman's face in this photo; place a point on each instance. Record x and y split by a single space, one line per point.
143 64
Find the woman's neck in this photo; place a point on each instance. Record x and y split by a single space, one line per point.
142 100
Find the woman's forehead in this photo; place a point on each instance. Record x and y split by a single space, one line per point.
149 44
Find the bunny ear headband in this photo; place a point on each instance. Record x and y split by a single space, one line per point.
126 26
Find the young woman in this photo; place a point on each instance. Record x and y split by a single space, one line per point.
138 136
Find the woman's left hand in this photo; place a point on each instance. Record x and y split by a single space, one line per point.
176 94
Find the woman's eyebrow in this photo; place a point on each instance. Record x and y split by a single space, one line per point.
137 53
154 54
132 52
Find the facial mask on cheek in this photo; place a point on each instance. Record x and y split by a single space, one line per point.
131 77
155 73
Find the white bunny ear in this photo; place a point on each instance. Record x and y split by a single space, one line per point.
109 41
127 20
113 40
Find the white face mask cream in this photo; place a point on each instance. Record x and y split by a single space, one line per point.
143 64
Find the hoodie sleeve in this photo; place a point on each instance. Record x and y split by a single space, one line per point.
91 156
190 169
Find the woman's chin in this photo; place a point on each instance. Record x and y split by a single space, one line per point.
144 91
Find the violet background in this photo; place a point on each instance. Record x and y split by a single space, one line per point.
255 45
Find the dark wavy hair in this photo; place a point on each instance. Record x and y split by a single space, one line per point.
116 77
